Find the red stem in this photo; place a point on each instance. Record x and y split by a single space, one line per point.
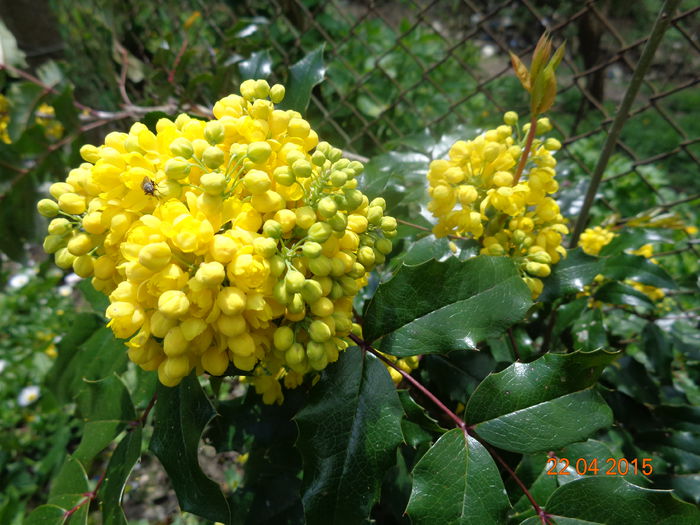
178 57
89 496
454 417
458 421
526 151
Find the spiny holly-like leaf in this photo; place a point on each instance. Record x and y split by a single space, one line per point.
258 65
303 76
181 414
348 434
570 275
105 406
457 482
543 405
637 268
612 499
441 306
120 464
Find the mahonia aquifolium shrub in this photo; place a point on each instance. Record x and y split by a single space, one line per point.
474 193
241 239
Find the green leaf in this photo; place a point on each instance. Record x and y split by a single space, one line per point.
570 275
106 407
66 112
612 499
181 414
586 456
588 331
441 306
686 486
532 471
120 464
348 435
680 449
258 65
381 169
637 268
98 357
303 76
23 97
46 515
543 405
18 215
621 294
457 482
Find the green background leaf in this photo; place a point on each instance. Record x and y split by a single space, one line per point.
441 306
303 76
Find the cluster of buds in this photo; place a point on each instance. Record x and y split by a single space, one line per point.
239 240
477 192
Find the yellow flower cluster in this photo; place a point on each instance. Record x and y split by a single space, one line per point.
407 364
475 193
4 119
239 240
593 240
45 117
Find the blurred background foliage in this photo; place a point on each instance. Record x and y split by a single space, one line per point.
401 80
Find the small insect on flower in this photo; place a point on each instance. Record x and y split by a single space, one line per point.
148 186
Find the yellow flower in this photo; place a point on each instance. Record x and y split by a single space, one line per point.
594 239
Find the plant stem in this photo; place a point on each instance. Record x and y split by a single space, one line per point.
526 151
657 33
513 343
468 431
427 393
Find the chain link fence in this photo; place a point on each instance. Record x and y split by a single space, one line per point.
402 66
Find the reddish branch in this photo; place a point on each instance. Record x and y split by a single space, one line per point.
89 496
526 151
468 430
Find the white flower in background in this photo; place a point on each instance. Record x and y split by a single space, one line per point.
28 395
18 281
65 290
72 279
3 365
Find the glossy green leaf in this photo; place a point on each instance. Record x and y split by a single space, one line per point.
181 413
686 486
418 427
588 331
66 112
348 435
637 268
543 405
24 97
303 76
570 275
659 350
46 515
117 473
612 499
258 65
96 358
680 449
457 482
633 238
105 406
533 472
437 307
382 169
622 295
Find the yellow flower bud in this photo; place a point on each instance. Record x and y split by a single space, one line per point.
155 256
82 266
181 147
259 152
80 244
242 345
72 203
213 157
283 338
210 274
177 168
277 93
173 303
257 182
214 132
320 232
213 183
231 300
47 208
